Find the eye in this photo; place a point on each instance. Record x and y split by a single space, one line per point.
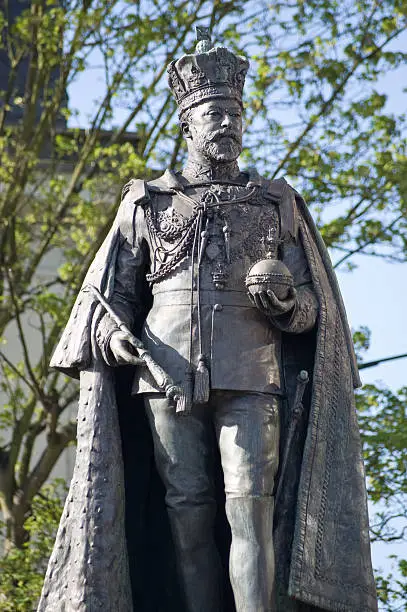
213 112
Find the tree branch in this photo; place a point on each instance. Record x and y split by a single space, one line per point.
367 243
327 105
46 462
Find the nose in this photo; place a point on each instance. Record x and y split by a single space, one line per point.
226 120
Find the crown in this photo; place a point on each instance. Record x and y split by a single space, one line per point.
210 72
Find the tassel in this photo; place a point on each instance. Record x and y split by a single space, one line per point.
184 401
201 389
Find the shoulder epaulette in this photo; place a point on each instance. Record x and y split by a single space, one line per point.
136 191
166 183
276 188
272 189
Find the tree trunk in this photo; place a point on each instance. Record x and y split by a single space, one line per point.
15 533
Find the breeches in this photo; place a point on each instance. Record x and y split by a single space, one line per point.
247 431
246 428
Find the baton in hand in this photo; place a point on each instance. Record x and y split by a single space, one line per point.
173 392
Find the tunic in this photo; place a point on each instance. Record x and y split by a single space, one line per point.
201 305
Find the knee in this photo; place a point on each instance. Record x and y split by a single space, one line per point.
188 490
250 516
192 526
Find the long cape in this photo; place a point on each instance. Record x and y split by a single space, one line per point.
113 548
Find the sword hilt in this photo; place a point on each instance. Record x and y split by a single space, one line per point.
302 381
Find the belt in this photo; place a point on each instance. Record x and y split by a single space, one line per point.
182 297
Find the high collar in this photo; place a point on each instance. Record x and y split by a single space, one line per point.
195 171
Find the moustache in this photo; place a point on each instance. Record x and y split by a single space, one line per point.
219 134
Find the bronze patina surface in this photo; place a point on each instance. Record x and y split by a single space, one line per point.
219 462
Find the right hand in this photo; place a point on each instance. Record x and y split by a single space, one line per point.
123 347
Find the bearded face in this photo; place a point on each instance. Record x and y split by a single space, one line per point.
214 129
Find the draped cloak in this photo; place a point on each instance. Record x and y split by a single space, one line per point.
113 548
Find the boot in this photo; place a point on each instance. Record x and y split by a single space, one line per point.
251 563
198 560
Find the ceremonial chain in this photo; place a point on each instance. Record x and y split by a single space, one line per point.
186 231
181 249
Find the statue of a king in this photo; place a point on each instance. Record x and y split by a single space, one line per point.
209 475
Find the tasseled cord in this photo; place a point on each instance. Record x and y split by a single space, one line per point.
196 388
184 403
184 406
201 387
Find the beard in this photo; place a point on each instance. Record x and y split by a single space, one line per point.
219 146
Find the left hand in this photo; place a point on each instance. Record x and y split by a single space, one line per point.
269 304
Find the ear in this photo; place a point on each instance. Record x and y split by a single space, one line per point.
185 129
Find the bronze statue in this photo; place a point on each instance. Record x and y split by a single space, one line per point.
209 475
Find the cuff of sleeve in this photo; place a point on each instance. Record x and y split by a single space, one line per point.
303 316
105 331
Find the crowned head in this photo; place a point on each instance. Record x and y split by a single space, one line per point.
208 88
